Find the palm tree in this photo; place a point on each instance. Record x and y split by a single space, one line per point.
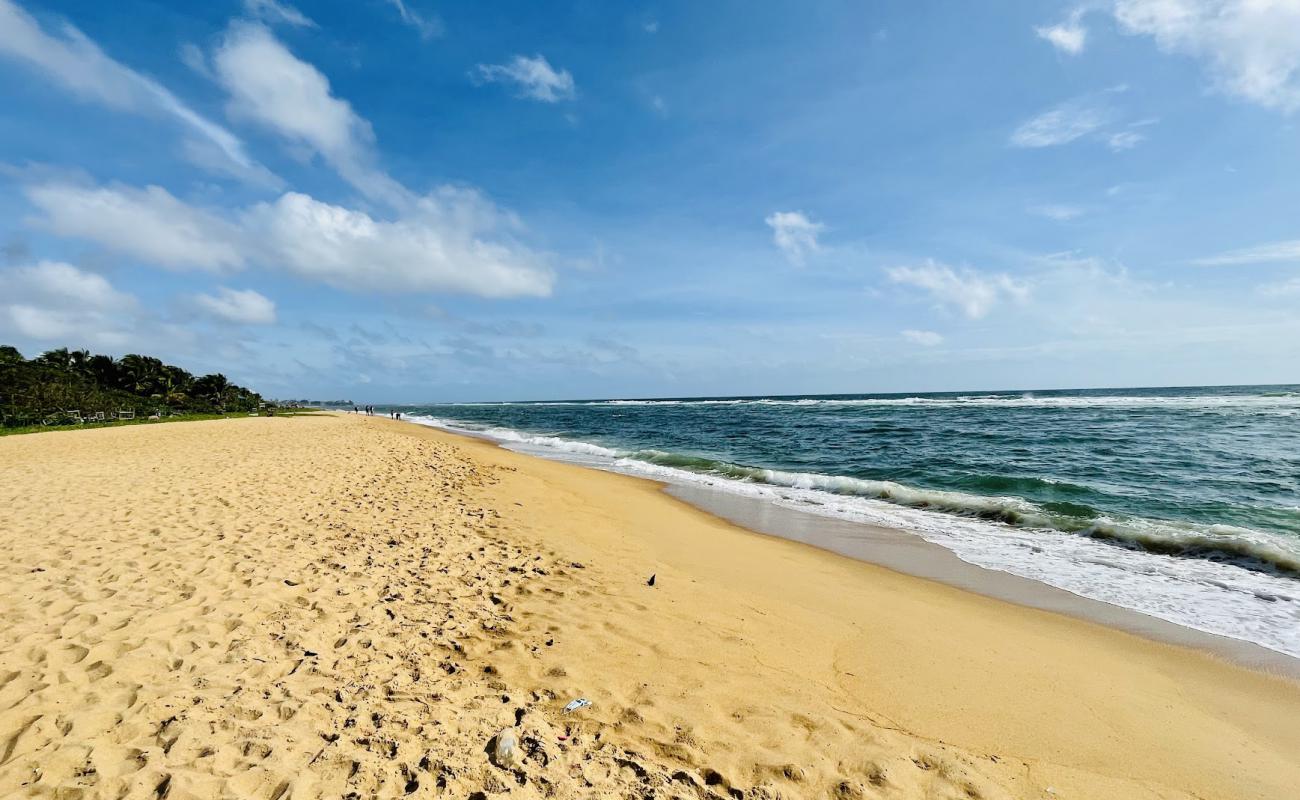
174 384
213 388
78 362
60 358
103 369
140 374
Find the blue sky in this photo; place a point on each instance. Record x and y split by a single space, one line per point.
418 200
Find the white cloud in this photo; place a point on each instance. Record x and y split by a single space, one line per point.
428 26
451 243
973 293
1091 115
146 223
1060 213
1060 125
1124 140
795 234
448 240
268 85
1252 47
1068 36
273 11
242 307
192 56
451 240
53 301
650 26
58 284
924 338
1261 254
75 62
532 77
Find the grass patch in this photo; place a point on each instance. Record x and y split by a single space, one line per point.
117 423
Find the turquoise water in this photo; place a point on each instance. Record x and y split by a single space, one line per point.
1192 494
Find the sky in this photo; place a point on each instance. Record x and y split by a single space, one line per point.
423 200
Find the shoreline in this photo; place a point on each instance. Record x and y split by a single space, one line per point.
907 553
307 607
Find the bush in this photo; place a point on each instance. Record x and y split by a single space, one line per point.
45 389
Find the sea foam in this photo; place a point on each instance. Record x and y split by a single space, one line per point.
1219 579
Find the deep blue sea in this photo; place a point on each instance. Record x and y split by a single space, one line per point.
1180 503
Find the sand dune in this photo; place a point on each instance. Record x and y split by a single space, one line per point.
350 607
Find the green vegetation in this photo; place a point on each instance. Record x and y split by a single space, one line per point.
76 388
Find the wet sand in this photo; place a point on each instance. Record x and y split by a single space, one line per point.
342 606
908 553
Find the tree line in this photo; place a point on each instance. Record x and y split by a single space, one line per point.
48 388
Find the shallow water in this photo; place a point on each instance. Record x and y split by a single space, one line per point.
1180 503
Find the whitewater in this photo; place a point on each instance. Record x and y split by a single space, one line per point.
1182 504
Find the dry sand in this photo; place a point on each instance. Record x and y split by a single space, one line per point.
352 607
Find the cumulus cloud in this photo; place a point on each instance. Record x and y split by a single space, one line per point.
57 283
533 78
147 223
245 307
1061 125
1272 252
53 301
971 292
1251 47
795 234
271 87
446 240
73 61
1068 36
427 25
273 11
451 242
924 338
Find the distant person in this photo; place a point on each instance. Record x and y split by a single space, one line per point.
354 410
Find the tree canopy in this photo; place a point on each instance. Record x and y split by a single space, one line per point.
56 382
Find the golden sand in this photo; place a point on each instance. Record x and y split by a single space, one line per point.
342 606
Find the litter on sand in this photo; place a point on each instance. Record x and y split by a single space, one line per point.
505 750
574 705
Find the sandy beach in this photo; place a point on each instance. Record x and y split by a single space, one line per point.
341 606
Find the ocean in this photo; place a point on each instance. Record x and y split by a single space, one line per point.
1183 504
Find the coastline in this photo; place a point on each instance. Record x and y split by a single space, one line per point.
901 551
907 552
755 665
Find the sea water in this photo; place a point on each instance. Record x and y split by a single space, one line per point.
1183 504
